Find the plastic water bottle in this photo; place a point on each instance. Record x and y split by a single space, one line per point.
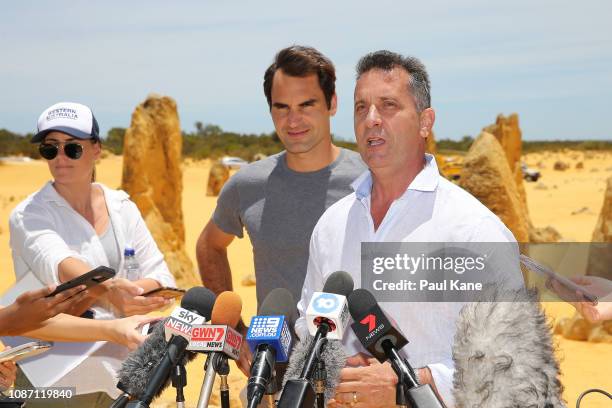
132 268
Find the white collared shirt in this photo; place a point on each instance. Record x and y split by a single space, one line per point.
45 230
432 209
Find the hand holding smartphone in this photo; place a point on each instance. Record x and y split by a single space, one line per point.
91 278
26 350
567 284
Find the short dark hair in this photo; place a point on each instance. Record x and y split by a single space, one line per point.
300 61
418 84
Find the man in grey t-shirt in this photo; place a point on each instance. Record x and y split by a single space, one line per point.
279 200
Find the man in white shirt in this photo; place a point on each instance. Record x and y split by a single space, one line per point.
402 198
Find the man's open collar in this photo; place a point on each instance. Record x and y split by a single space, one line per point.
426 180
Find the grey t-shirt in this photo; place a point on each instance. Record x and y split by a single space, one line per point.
279 208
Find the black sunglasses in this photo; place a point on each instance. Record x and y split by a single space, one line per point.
49 151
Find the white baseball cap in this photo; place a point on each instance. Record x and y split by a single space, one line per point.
70 118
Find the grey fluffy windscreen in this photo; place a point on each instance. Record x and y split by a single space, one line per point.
504 354
138 365
333 355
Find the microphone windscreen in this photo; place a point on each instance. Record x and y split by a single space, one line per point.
360 301
199 300
340 283
137 367
504 354
227 309
279 302
333 355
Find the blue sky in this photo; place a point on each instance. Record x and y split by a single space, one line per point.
549 61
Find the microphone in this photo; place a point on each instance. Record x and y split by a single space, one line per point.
269 339
145 372
379 337
504 354
180 323
333 355
225 342
330 306
327 313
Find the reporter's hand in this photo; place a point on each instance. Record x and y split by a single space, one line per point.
125 296
598 286
8 373
126 331
373 385
246 357
31 308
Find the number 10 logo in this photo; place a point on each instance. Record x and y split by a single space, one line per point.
325 303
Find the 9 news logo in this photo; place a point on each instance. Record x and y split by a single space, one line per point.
265 327
325 303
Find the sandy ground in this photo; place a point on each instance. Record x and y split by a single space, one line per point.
551 202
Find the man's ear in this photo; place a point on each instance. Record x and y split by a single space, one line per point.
427 119
333 106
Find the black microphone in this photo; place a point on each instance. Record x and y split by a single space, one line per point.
504 353
146 371
379 337
327 313
269 338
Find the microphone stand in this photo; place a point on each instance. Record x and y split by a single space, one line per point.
299 392
419 396
209 380
179 380
319 379
271 391
400 396
222 368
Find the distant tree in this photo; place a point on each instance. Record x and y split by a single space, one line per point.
114 140
460 145
199 126
211 130
14 144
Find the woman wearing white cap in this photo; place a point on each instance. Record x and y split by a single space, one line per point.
72 225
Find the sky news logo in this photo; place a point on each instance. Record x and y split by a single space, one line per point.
265 326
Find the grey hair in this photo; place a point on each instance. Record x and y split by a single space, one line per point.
418 82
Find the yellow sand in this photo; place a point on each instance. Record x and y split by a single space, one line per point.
584 365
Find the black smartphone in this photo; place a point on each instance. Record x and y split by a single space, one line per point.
91 278
166 292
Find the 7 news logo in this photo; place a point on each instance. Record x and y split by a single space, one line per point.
374 325
370 321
